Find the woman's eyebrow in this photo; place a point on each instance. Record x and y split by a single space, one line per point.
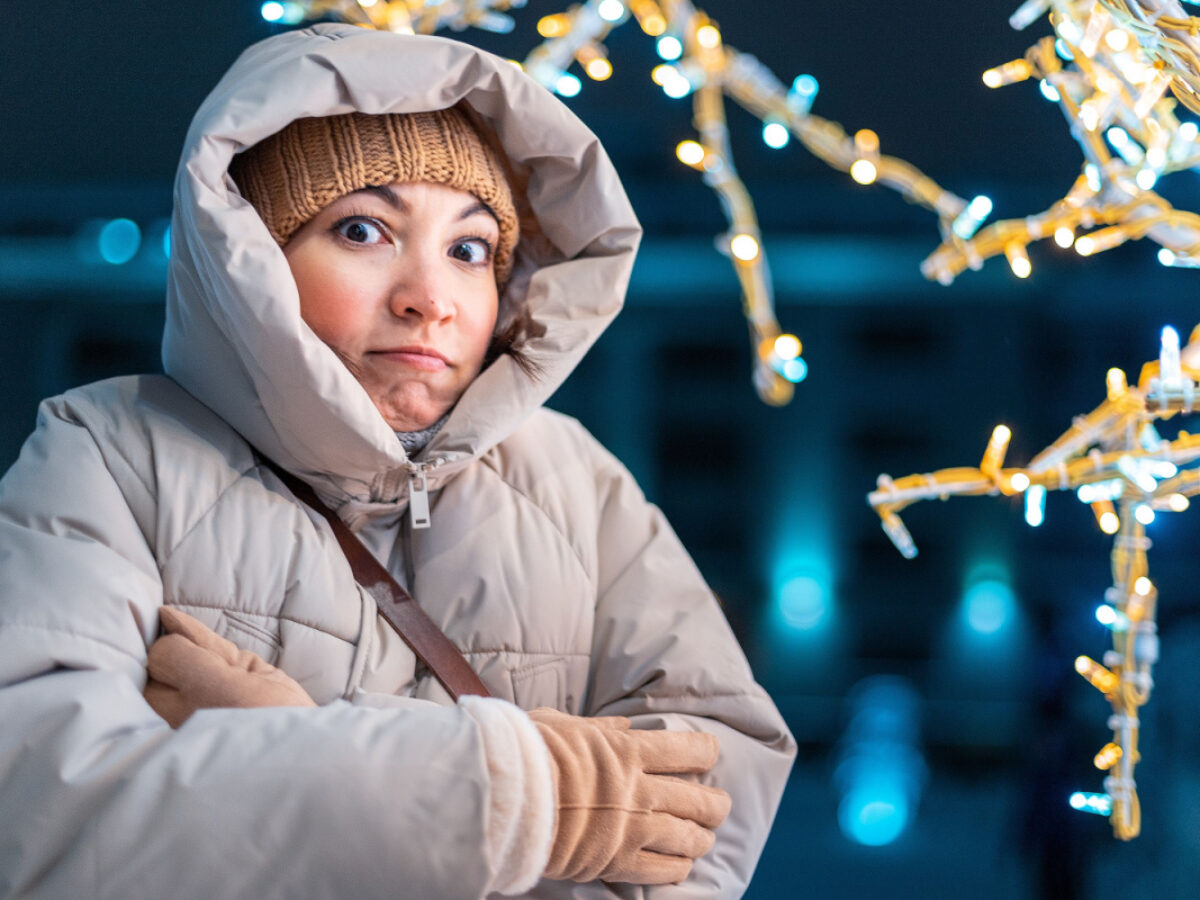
475 209
386 194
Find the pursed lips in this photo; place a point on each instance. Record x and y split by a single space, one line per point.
425 358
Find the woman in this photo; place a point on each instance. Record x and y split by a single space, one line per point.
388 340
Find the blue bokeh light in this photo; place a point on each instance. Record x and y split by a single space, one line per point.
119 241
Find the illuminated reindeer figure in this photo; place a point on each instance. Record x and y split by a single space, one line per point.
1115 460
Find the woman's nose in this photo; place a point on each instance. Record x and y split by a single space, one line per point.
419 292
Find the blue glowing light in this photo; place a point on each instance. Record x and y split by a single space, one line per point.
775 135
119 241
669 47
805 86
568 85
166 242
1099 804
988 605
874 814
1049 91
795 370
804 602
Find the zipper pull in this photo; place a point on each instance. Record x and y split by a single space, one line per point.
418 498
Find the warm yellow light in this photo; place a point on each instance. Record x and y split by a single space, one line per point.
1109 754
1142 586
1001 435
744 247
1064 236
1018 260
1109 523
863 171
1019 482
1117 384
690 153
654 25
787 346
866 141
1085 245
1178 502
1101 678
1117 39
708 37
598 69
1010 72
553 26
662 73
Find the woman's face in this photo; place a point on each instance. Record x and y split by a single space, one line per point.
399 282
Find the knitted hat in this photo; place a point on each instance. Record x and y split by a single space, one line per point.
292 175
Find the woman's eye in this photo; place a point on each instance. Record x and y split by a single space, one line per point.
475 251
360 231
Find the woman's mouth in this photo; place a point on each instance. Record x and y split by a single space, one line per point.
424 358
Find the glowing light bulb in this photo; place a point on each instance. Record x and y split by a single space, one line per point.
795 370
708 37
744 247
1108 757
1085 245
677 87
1166 256
1143 513
1097 804
786 346
1146 179
1064 236
119 241
1112 618
1035 506
1019 482
968 221
568 85
1116 39
1178 502
271 11
1100 678
775 135
690 153
553 26
1142 586
653 24
598 69
1188 131
863 171
366 4
1115 380
805 86
1091 173
669 48
1018 259
1109 523
611 10
1009 73
1049 91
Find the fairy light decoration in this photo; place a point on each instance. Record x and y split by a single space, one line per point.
1116 69
1116 462
696 62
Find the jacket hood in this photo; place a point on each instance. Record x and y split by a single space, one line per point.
234 337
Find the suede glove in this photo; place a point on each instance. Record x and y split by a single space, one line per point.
192 667
621 815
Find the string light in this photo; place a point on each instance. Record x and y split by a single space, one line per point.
1109 67
1112 457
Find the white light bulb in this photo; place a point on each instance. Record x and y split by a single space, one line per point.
669 47
611 10
775 135
743 247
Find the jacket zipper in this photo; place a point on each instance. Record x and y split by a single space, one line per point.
418 492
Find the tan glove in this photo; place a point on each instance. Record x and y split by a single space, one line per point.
192 667
621 816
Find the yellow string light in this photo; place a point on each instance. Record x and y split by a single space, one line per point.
1109 65
1113 458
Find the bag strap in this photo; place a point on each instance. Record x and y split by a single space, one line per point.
396 605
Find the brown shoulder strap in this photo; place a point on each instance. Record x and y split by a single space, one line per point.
396 604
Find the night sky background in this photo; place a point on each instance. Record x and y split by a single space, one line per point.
870 657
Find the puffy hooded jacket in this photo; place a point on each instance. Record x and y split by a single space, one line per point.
543 563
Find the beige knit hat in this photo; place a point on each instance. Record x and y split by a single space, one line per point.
295 173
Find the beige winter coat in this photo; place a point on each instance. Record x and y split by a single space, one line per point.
544 563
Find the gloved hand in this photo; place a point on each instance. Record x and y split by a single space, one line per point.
192 667
621 816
